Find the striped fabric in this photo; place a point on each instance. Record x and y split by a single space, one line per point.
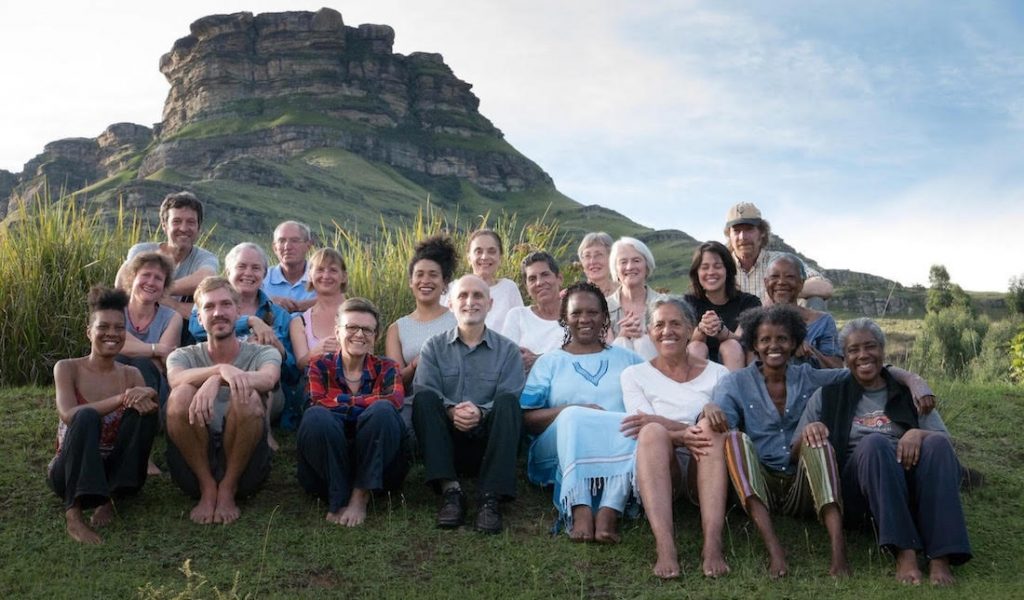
815 484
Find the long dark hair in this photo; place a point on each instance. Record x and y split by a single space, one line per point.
722 252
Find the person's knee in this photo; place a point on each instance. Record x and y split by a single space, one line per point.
179 401
251 410
380 410
86 417
874 444
937 444
426 401
697 349
504 403
315 419
730 349
653 435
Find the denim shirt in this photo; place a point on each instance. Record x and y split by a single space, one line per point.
744 398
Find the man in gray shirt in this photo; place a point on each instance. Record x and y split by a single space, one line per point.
181 218
466 409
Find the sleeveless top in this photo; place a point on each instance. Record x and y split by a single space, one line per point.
108 431
307 319
412 333
151 334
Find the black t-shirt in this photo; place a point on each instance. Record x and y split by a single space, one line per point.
729 313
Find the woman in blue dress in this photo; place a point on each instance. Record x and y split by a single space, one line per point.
573 407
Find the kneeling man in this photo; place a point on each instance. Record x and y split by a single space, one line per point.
218 438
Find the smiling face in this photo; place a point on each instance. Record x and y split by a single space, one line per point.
426 281
631 267
669 330
783 283
470 299
291 245
594 259
149 282
106 332
585 319
357 332
484 256
864 357
182 228
217 311
746 240
327 277
774 345
711 272
247 272
542 284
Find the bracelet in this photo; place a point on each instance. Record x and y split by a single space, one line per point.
152 349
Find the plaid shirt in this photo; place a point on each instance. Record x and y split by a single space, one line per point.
752 281
381 381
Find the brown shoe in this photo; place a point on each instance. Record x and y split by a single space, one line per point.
453 510
488 518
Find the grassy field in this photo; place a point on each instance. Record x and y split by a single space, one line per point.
282 547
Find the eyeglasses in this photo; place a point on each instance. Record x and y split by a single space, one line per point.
354 329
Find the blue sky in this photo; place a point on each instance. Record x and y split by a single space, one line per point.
877 136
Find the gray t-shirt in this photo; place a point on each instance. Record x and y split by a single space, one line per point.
869 417
251 357
196 259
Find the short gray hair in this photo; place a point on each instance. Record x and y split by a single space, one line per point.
861 324
688 311
594 238
306 231
232 256
793 259
637 245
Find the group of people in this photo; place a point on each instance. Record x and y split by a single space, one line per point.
625 395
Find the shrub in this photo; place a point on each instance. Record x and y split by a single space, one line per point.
950 339
50 254
994 361
1017 356
1015 295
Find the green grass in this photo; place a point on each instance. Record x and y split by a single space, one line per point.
283 548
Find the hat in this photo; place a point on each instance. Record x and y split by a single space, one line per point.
744 213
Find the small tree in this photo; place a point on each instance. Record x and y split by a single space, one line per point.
942 293
1015 295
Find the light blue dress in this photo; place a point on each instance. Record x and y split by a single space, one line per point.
582 453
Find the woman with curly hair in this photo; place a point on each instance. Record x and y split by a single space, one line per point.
573 407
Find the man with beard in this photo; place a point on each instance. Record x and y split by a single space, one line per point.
215 424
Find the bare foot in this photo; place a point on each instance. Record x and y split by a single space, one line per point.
103 515
335 517
203 512
906 567
272 442
777 565
607 526
667 566
153 470
354 514
78 529
227 511
939 573
840 567
714 562
582 524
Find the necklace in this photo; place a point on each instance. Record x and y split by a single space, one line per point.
143 323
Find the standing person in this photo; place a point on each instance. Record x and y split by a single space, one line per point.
718 303
217 432
535 328
181 217
573 407
287 283
485 254
350 441
108 418
896 464
748 236
328 279
632 266
593 253
466 409
783 285
262 322
677 451
431 269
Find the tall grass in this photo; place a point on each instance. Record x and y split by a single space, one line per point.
50 254
378 264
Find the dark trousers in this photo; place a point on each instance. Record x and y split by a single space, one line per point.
334 456
253 476
916 509
489 450
80 473
153 377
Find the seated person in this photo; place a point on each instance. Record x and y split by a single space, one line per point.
466 409
593 253
350 440
894 463
288 283
108 418
535 328
632 266
217 445
573 407
718 303
676 453
783 285
328 277
762 404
